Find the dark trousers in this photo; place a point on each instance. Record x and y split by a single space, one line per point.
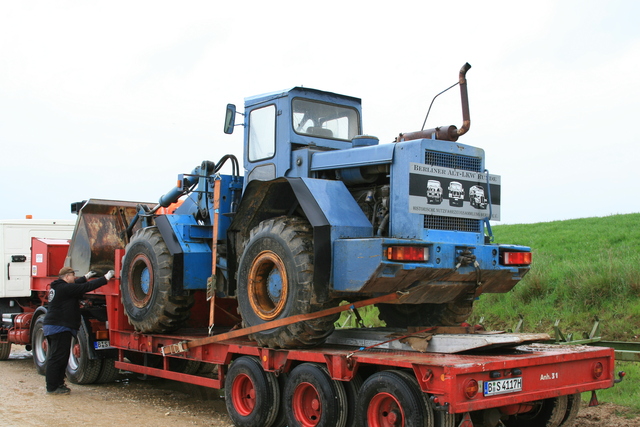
57 359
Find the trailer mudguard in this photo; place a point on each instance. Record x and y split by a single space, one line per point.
328 205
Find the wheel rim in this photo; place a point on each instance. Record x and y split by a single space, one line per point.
307 406
41 346
385 411
268 285
140 281
75 355
243 394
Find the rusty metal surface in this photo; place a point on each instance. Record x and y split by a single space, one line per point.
437 343
100 230
439 285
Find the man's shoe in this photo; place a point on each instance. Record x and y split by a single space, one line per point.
60 390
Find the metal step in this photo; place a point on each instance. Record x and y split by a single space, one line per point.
388 338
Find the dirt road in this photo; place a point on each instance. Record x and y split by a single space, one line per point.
133 402
128 402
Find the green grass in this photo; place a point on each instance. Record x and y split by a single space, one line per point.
581 269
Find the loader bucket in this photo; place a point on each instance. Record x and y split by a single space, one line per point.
99 231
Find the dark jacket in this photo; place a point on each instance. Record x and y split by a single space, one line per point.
64 301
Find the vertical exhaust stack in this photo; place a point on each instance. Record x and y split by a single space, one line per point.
447 133
464 98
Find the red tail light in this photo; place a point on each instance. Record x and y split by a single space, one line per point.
407 253
516 258
471 388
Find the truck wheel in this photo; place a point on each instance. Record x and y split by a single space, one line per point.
275 280
39 346
312 398
81 369
251 394
427 314
146 285
547 413
390 398
5 350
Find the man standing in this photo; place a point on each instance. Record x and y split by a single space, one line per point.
62 322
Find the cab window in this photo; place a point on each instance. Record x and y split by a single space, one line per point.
262 133
324 120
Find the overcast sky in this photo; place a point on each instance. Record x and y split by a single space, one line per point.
113 99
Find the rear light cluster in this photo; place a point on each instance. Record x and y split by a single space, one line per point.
516 258
471 388
598 370
407 253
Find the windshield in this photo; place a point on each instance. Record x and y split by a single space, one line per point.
324 120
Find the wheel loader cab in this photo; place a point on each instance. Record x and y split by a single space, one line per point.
278 124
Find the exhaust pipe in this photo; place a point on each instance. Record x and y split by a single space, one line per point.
464 97
446 133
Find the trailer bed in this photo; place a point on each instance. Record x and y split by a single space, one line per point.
504 376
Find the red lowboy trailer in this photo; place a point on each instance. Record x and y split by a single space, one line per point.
365 375
373 377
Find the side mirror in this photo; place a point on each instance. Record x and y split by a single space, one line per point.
230 119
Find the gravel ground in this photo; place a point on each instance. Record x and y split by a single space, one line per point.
129 401
135 402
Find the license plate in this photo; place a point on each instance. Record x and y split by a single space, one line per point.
99 345
508 385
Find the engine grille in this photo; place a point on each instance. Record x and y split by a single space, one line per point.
436 222
453 161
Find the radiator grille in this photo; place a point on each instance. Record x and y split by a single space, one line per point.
435 222
453 161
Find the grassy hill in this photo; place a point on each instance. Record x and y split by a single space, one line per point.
582 268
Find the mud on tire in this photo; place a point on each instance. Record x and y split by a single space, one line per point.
146 285
275 280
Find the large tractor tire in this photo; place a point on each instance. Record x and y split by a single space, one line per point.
427 314
146 285
275 280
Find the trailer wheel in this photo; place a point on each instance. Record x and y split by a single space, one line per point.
146 285
427 314
352 390
5 350
81 369
39 346
312 398
250 393
275 280
547 413
390 398
445 419
573 406
109 373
